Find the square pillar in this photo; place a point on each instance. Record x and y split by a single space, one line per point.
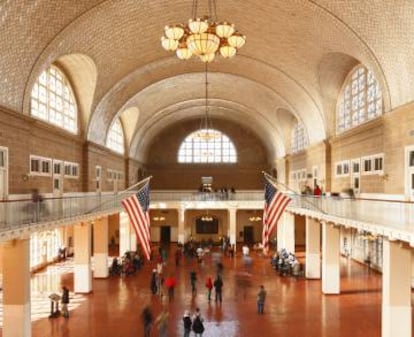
125 233
82 260
313 249
232 225
330 259
396 289
16 289
286 232
100 240
181 226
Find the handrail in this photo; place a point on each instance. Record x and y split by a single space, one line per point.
389 214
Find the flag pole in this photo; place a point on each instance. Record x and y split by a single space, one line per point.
136 184
120 193
275 182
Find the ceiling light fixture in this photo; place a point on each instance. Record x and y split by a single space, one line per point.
203 37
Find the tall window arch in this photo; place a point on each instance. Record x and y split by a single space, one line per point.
216 148
360 99
53 101
115 138
299 138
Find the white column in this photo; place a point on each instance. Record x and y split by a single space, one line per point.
16 289
232 225
82 262
313 249
396 289
412 268
125 232
100 256
330 259
181 226
286 232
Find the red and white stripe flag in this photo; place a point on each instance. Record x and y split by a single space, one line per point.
137 208
275 204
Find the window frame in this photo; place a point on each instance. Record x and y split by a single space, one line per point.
196 150
115 138
51 98
42 162
349 117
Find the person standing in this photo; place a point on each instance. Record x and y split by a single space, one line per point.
147 321
187 323
261 297
218 287
209 286
198 326
65 302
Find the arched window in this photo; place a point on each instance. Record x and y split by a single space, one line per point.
207 146
115 138
359 101
52 100
299 138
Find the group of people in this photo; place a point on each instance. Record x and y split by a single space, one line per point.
286 263
130 263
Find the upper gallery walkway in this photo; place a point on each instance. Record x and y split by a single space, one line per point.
392 219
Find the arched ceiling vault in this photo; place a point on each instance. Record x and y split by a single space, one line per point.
283 61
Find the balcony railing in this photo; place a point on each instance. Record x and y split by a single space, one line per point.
24 212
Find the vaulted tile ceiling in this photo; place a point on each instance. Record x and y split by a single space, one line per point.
292 67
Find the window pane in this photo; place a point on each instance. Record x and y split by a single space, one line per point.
361 95
48 96
206 146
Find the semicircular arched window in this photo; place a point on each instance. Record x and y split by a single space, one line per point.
53 101
207 146
360 99
115 137
299 138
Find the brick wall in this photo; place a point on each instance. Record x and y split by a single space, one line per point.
169 174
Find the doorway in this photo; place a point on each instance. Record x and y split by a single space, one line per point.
165 234
248 235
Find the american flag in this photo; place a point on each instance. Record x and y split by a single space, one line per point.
275 204
137 208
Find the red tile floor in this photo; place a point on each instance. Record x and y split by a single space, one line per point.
293 307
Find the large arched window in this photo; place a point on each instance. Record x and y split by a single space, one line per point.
360 99
115 138
204 146
299 138
52 100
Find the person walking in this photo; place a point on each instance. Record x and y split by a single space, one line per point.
187 323
198 326
147 319
162 323
170 284
153 284
218 287
261 297
65 301
193 280
209 286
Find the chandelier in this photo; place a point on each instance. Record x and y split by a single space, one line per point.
255 217
203 37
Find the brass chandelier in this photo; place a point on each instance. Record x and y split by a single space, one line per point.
203 37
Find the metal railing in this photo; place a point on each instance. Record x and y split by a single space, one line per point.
24 212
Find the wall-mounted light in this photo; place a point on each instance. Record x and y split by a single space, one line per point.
158 218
